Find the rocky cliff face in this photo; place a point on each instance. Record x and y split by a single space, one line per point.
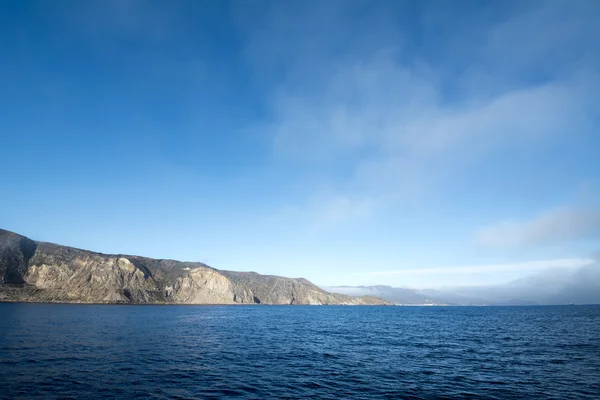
46 272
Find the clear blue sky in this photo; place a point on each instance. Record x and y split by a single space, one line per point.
350 142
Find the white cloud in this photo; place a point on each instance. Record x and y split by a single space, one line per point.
400 144
561 225
384 112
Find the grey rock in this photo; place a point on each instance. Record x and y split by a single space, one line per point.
44 272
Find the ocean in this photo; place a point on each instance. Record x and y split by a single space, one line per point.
59 351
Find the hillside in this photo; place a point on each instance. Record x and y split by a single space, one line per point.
33 271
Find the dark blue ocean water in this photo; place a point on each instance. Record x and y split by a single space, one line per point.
256 352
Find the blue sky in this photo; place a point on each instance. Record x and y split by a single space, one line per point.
413 143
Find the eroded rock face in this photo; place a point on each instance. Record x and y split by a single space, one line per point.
46 272
203 286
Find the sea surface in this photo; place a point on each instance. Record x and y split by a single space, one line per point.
51 351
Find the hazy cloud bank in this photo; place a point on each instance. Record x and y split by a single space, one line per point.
550 286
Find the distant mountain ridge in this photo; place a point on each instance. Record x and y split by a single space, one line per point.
549 287
406 296
33 271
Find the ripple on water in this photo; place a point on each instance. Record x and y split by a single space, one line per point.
112 352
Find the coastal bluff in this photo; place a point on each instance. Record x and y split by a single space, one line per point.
32 271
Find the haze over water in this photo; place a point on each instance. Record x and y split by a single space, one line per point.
256 352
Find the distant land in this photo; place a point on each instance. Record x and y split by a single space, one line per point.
410 297
550 287
33 271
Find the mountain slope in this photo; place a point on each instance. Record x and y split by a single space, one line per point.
46 272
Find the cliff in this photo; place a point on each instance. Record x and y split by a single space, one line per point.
33 271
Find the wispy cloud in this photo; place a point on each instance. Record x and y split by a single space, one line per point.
561 225
398 119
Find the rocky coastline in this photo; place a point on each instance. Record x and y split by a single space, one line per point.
32 271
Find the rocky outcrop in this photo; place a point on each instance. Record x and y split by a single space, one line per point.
46 272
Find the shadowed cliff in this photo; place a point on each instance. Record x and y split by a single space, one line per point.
46 272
